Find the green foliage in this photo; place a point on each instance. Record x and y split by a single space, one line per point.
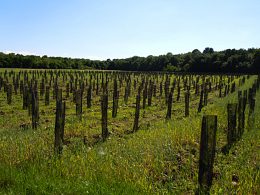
227 61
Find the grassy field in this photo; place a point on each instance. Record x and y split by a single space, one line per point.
160 158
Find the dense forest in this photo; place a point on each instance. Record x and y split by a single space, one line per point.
227 61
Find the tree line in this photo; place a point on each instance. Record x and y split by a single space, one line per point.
227 61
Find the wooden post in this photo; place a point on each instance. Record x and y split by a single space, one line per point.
63 120
79 104
233 87
178 92
245 95
30 100
55 87
21 87
42 88
239 95
187 104
161 89
154 90
25 97
9 94
126 92
47 96
104 106
166 90
97 84
150 93
59 123
251 118
220 90
241 116
35 109
207 152
205 100
15 83
67 90
137 111
226 90
201 99
89 95
232 123
115 100
169 108
144 95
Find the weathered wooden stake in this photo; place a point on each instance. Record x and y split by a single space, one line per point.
169 108
104 106
59 123
35 109
201 100
42 88
205 100
67 90
25 97
220 90
137 111
232 123
251 118
187 104
47 96
79 103
207 152
9 94
144 95
150 94
178 92
241 116
89 95
115 100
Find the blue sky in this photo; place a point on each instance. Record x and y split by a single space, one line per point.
101 29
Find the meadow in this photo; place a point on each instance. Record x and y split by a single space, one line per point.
116 147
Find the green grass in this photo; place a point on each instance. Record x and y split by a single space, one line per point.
161 158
